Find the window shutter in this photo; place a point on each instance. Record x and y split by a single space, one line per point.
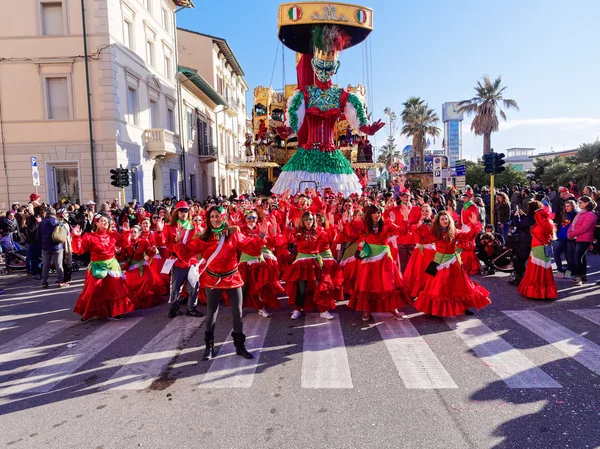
58 98
52 17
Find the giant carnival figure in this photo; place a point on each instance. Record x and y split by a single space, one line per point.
319 31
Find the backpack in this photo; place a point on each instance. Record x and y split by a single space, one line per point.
59 234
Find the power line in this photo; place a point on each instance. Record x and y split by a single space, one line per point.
274 63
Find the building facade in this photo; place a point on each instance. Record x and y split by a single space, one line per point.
520 158
215 62
44 93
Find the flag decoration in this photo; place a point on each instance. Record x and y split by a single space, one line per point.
295 13
361 16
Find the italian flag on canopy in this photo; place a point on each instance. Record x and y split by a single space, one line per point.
361 16
295 13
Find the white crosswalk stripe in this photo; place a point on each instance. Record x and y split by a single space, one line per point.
516 370
592 315
151 361
416 363
566 341
231 371
324 358
51 372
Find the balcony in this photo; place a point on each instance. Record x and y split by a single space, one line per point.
233 109
161 143
207 153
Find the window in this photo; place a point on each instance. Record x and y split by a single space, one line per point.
174 182
166 19
168 67
57 95
131 106
171 118
128 34
52 18
148 5
150 52
202 137
153 112
190 125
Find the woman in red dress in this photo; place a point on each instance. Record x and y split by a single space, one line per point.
259 269
380 287
152 232
219 245
349 261
451 292
303 277
415 276
538 281
105 293
143 283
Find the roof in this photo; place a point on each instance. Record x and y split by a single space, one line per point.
184 3
224 48
202 84
557 153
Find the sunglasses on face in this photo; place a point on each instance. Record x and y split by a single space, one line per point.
185 211
309 219
197 220
251 218
156 217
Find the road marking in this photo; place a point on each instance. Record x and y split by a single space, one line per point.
149 363
592 315
53 371
324 357
24 346
566 341
516 370
6 318
229 370
7 325
416 363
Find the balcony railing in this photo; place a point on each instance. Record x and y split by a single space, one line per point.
208 153
161 143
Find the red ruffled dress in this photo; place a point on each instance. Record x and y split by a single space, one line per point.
333 276
308 267
350 263
105 293
223 271
157 261
143 283
538 281
451 292
470 261
423 254
260 273
379 284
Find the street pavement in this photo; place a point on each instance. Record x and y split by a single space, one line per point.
519 374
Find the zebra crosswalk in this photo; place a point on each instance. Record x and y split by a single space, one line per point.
45 358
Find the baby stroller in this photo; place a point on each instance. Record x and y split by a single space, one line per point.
14 255
495 254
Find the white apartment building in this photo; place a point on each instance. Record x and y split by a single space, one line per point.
216 63
132 91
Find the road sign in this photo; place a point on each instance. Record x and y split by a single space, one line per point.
437 176
33 161
35 175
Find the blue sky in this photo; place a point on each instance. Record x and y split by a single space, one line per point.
546 52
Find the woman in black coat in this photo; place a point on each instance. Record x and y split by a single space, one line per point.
523 222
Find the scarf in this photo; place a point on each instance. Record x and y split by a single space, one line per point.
467 204
218 231
185 225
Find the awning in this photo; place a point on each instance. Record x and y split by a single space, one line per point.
203 85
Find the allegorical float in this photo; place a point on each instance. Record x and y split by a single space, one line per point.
318 32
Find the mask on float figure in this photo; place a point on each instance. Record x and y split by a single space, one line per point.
328 41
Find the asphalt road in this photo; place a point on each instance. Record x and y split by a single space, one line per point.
519 374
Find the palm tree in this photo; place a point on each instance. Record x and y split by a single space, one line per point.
586 164
419 121
484 105
386 155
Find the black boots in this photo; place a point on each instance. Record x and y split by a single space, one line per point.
240 349
209 351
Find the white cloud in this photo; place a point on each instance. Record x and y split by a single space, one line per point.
566 122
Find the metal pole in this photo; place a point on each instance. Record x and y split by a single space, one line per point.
492 199
89 102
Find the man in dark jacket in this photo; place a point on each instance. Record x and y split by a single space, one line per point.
34 246
523 223
51 251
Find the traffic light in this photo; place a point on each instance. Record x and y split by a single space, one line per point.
115 176
124 177
489 161
499 162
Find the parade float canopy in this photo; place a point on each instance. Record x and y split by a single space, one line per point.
296 21
364 165
257 164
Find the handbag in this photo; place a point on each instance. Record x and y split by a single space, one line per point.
365 251
431 269
548 250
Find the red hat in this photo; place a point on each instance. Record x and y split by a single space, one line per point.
468 193
405 192
182 205
34 197
562 190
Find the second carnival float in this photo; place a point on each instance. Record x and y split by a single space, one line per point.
316 111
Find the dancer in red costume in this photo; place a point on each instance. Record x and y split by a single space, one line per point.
538 281
259 269
451 292
143 283
379 287
470 261
404 212
153 234
351 237
303 277
219 244
105 293
333 275
423 254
